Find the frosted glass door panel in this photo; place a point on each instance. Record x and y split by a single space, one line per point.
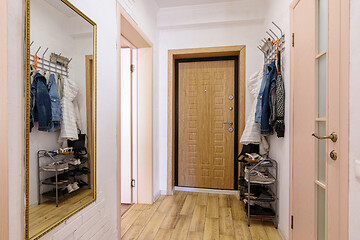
322 87
321 153
322 25
320 213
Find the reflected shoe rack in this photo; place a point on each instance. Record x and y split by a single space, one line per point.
61 175
258 189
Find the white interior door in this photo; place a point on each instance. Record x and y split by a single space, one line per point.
126 125
319 139
134 128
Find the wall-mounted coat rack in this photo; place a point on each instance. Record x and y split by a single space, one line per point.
47 65
270 46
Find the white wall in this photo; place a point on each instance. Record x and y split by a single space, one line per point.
279 12
354 179
236 23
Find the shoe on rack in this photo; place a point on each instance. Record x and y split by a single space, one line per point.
82 183
256 176
70 188
61 166
75 186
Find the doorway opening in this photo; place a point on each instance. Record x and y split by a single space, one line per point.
206 122
188 55
129 134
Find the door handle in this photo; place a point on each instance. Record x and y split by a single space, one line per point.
333 136
230 123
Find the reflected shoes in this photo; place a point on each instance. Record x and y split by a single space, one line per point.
61 166
73 161
66 150
72 187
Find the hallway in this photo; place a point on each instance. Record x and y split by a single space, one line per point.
188 215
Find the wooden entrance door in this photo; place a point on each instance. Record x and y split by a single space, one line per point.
206 124
319 184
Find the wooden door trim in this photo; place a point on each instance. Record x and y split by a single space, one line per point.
4 188
127 28
344 116
199 53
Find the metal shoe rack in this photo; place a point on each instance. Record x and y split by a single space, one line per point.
44 176
247 182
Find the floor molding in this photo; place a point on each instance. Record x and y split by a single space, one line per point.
206 190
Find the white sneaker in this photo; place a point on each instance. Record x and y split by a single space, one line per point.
75 186
70 188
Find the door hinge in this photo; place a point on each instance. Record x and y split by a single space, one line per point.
293 39
132 68
292 222
132 182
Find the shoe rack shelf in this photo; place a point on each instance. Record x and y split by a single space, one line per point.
52 176
258 184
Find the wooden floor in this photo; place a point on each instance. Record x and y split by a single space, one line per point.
194 216
47 214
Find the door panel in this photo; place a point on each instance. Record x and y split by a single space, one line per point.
206 146
126 136
316 70
303 121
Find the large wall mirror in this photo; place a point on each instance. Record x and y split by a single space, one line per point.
60 110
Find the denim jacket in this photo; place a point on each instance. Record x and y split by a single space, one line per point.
264 102
55 104
40 103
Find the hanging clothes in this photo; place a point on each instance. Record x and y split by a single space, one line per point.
55 104
251 134
40 103
264 102
70 121
279 124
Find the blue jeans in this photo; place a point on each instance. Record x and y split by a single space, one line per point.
55 105
41 108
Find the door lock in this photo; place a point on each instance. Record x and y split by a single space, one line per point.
231 129
333 155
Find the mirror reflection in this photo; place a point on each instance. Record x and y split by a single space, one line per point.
61 139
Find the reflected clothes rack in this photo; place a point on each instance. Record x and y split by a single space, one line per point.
46 65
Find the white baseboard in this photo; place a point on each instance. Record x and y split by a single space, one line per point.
283 236
206 190
157 196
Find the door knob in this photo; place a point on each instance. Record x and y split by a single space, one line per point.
333 155
333 137
230 123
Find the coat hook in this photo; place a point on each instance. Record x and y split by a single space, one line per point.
45 52
262 50
267 43
270 36
278 28
38 50
274 33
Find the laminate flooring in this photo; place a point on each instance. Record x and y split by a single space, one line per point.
188 215
46 214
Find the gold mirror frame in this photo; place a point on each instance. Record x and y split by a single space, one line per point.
27 120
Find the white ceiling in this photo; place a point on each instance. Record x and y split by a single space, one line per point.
177 3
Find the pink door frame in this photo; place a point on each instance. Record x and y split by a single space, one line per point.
4 189
339 39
